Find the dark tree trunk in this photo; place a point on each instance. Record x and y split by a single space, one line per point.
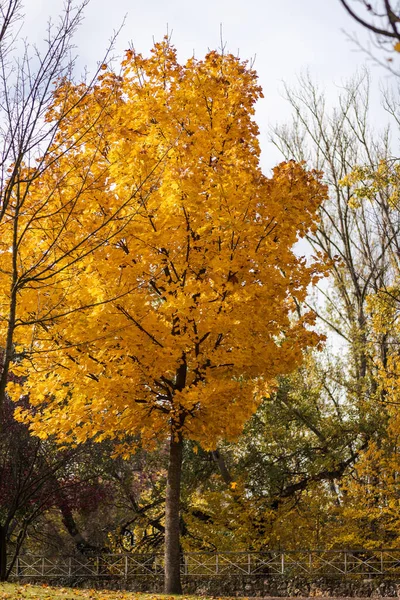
221 464
3 554
68 520
172 514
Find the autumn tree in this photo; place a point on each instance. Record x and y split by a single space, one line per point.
371 493
371 184
204 277
359 230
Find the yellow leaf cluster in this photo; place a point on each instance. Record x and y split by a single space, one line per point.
177 307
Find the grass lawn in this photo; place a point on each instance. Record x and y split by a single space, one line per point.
15 591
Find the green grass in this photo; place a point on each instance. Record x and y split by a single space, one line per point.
15 591
44 592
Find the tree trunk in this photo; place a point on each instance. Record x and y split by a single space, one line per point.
172 514
3 554
221 464
68 520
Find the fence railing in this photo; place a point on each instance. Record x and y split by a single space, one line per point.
288 564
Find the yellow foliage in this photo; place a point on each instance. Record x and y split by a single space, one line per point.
369 183
177 308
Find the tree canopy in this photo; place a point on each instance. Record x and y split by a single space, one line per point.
176 315
200 275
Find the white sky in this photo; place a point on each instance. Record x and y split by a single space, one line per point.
286 37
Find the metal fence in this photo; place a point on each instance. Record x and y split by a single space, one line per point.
286 564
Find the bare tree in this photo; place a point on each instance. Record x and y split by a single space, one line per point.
31 147
360 238
26 92
382 19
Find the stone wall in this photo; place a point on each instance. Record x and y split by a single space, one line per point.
248 586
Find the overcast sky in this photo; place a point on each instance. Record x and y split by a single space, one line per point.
286 37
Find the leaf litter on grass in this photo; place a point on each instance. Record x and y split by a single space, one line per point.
10 591
45 592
